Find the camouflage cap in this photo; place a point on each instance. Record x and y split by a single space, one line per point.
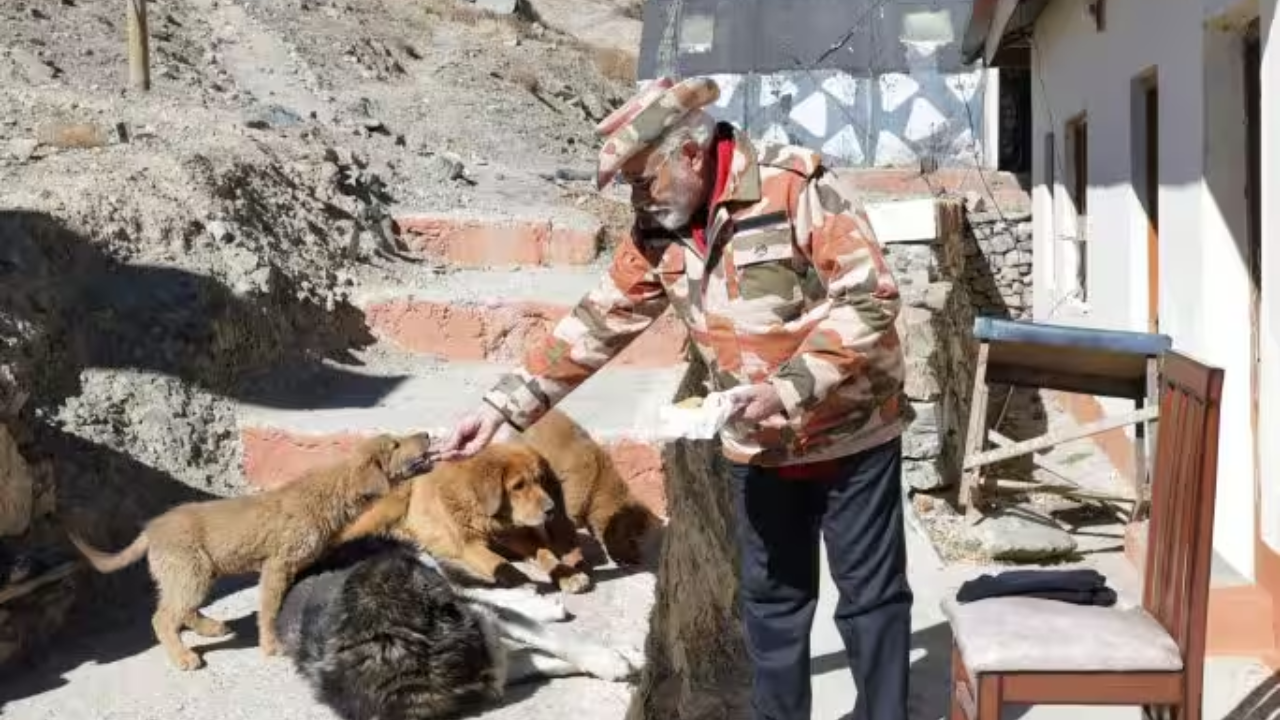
642 120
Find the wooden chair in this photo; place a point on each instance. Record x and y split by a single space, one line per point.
1044 652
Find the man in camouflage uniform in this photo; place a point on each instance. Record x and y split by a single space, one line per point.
773 267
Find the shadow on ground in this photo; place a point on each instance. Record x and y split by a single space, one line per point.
68 306
930 689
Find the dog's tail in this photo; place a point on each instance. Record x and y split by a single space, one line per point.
107 562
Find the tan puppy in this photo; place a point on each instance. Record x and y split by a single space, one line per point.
595 495
276 533
458 512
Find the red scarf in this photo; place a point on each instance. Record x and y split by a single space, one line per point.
724 161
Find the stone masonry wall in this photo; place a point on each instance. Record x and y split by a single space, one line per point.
980 264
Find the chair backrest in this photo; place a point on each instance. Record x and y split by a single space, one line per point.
1180 540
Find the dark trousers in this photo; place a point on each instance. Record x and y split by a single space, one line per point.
857 508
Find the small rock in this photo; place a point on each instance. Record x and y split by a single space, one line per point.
71 135
1016 538
21 149
220 231
273 116
338 156
594 106
924 504
373 125
445 167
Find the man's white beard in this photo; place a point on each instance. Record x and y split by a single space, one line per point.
671 218
675 216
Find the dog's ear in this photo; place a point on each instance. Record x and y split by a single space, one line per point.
628 536
490 487
368 479
380 449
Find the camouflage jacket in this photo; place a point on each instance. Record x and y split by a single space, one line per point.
793 291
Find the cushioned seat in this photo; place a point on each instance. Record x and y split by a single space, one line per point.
1017 634
987 329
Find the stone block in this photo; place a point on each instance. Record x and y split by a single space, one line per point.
922 439
922 475
920 338
921 382
1002 243
1016 538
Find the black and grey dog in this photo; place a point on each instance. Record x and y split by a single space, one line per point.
381 633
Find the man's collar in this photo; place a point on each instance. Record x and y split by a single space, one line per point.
743 185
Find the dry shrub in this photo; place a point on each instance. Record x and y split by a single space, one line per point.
615 64
525 78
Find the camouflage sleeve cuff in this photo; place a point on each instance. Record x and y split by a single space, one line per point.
789 384
518 399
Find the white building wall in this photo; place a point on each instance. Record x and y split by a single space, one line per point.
1204 299
1269 422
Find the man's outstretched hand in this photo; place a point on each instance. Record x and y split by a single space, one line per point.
473 433
757 403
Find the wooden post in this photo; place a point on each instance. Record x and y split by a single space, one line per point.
139 50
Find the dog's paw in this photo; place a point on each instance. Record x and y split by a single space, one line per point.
607 664
573 584
507 575
188 661
271 647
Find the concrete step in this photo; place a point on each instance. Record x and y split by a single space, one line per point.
618 407
474 315
485 241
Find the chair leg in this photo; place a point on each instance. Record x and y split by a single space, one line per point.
959 685
988 697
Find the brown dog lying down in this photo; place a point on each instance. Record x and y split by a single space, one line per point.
595 496
277 533
464 510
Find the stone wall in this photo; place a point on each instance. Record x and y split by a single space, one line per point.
980 264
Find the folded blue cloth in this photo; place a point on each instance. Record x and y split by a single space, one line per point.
1081 587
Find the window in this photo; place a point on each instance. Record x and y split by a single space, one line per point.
1146 154
1077 233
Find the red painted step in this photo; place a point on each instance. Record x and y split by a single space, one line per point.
274 456
501 332
474 242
